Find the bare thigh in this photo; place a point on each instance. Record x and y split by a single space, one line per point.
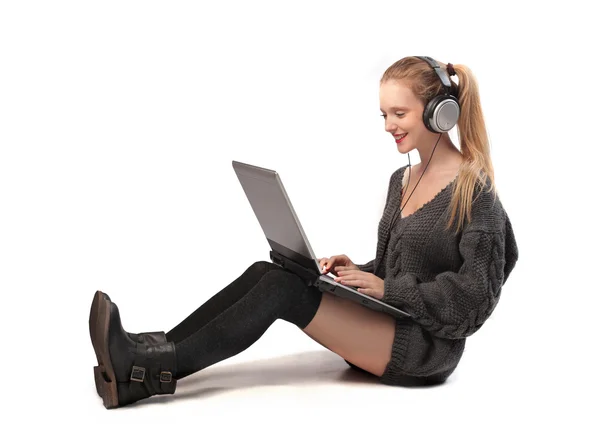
360 335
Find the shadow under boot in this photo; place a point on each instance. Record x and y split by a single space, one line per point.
127 370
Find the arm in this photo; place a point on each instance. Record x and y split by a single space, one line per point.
456 304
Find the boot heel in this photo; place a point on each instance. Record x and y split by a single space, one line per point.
105 388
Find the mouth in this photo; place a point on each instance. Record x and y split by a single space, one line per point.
400 138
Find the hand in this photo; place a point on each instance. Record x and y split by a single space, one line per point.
366 282
333 263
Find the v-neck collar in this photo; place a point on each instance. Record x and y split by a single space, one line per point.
431 201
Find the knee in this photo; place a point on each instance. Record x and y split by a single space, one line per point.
298 301
260 268
285 284
277 275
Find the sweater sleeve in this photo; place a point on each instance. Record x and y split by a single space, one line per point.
367 267
455 304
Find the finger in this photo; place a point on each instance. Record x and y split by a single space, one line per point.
341 274
354 282
346 278
348 281
366 291
349 272
334 263
347 268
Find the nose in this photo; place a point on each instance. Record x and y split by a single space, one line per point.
390 127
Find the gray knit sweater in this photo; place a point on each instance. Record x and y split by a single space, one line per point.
450 284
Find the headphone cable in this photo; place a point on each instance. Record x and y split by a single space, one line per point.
408 183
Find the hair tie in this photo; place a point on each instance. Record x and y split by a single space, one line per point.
450 68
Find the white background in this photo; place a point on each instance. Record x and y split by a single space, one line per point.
118 124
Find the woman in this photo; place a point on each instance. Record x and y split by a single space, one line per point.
445 249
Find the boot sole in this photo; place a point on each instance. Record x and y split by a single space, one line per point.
104 375
92 325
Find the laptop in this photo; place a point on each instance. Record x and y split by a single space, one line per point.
290 247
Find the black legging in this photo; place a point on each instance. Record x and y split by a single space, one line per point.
236 317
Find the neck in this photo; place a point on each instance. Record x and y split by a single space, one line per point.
446 156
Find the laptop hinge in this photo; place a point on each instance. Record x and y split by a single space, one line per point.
307 275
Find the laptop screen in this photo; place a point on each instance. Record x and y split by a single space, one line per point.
275 213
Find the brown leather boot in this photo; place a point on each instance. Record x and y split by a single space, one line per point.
127 370
148 338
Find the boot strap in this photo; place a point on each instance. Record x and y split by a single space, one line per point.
154 368
139 373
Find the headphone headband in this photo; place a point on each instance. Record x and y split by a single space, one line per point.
440 72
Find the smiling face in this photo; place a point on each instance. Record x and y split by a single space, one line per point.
403 114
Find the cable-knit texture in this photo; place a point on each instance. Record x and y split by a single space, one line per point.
450 284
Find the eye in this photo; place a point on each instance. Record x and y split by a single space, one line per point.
399 115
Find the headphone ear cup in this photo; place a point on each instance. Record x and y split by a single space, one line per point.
441 113
428 112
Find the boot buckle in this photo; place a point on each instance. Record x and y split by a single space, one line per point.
165 376
137 374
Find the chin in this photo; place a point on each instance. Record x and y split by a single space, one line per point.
402 148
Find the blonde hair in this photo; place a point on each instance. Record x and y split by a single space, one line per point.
476 166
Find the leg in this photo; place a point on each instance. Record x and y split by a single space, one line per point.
361 336
220 301
129 370
213 307
278 295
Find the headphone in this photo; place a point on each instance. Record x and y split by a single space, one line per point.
441 113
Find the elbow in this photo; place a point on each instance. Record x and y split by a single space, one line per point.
471 321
